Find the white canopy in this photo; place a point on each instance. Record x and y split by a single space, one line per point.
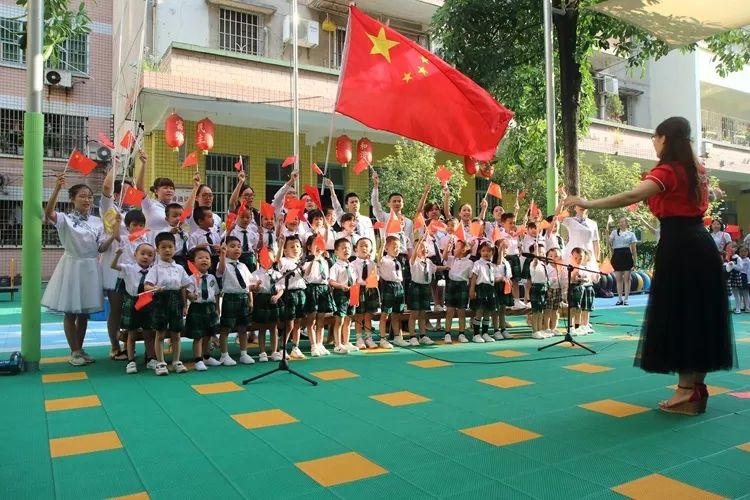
679 22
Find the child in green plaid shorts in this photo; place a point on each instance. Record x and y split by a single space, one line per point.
482 293
342 279
202 321
538 280
581 292
236 302
135 317
503 290
318 298
294 291
369 296
267 309
556 292
391 275
457 286
169 281
420 295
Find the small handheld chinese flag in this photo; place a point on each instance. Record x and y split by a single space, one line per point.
438 225
137 234
231 219
707 221
264 258
360 166
521 231
606 267
143 300
460 232
315 195
193 270
238 165
522 195
494 190
187 212
106 141
418 221
533 210
289 160
354 295
267 210
443 174
291 215
545 224
191 160
133 197
378 225
316 169
292 203
127 140
319 243
496 235
80 162
475 228
372 280
393 225
507 288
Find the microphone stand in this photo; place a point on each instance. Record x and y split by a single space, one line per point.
569 299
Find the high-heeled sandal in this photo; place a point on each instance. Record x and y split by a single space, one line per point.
690 407
703 391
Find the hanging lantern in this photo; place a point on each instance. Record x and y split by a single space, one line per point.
174 131
204 135
470 165
486 170
343 149
364 150
328 25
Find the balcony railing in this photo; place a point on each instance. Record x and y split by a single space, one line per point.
718 127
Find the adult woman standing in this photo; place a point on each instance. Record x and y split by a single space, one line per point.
582 233
244 193
685 332
623 241
720 237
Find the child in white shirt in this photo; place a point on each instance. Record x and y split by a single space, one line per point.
457 287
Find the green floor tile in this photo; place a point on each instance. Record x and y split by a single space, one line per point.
553 484
710 477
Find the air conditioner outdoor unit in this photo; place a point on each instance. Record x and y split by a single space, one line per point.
611 85
58 78
308 32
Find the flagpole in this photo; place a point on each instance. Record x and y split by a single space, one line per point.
552 177
338 93
295 87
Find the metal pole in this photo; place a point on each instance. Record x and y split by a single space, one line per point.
295 86
549 73
33 140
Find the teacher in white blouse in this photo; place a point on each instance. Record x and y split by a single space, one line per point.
623 243
582 233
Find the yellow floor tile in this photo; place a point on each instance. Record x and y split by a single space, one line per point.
135 496
376 350
614 408
500 434
634 313
217 388
265 418
744 447
713 390
505 382
63 377
568 345
507 353
588 368
400 398
745 340
340 469
54 359
334 374
430 363
629 338
744 372
85 443
658 487
72 403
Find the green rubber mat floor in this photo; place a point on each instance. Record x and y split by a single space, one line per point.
498 420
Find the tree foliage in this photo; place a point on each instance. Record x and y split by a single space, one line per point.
409 169
60 24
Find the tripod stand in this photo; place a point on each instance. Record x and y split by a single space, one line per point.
283 365
569 299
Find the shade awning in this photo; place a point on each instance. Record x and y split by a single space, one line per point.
679 22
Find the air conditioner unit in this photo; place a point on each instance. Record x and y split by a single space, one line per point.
611 85
308 32
58 78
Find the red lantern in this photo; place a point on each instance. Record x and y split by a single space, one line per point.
343 149
204 135
174 131
364 149
487 171
470 165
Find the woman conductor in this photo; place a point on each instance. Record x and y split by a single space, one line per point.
687 328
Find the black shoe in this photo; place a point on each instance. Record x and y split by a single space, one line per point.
619 303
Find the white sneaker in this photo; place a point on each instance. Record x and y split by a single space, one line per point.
538 335
425 340
557 333
88 358
131 368
151 365
351 347
323 351
574 332
414 342
263 358
372 345
737 310
384 344
399 341
340 349
200 366
246 359
209 361
486 337
447 339
315 351
518 304
582 331
296 353
276 356
361 344
527 305
462 338
227 360
589 329
478 339
179 367
506 335
161 369
77 360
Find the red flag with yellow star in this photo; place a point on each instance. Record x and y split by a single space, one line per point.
389 82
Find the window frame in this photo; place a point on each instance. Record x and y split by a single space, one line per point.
227 36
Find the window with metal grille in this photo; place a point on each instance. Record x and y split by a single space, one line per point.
221 177
11 131
74 55
10 31
338 47
275 177
63 134
241 32
11 224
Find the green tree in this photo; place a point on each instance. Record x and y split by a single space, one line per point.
499 43
60 24
409 169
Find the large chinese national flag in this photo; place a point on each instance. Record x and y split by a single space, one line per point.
389 82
